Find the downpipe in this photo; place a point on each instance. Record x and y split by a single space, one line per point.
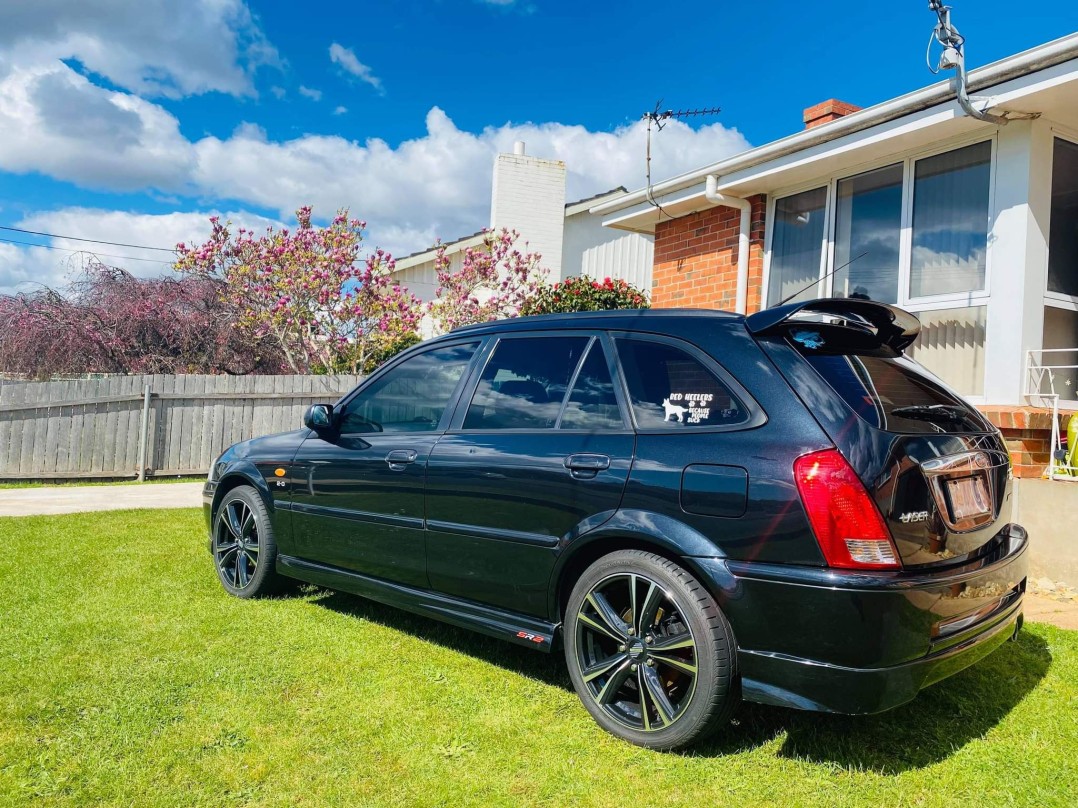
715 198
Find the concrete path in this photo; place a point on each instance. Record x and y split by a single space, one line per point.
59 499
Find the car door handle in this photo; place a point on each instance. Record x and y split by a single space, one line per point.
399 459
584 466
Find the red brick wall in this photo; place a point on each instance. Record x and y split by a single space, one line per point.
1028 433
696 259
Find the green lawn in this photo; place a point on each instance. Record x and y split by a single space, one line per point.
127 677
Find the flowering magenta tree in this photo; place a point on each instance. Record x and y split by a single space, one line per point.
493 281
308 291
108 321
585 294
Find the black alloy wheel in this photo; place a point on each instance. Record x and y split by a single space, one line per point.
244 550
650 653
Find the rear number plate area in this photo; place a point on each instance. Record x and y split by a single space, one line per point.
968 498
962 486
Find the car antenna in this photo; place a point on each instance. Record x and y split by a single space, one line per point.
786 300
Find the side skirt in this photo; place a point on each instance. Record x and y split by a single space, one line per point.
521 629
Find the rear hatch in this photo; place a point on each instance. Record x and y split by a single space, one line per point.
938 471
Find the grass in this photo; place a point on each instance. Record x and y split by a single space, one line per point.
152 481
127 677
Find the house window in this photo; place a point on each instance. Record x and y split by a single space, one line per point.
1060 342
951 345
1063 236
797 245
868 232
950 221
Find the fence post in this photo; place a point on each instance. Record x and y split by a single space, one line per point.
144 437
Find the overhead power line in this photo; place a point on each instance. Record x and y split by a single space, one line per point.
88 240
92 252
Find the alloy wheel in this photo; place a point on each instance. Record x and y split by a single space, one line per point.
235 544
636 653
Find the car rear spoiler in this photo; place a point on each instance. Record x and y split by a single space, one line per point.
877 322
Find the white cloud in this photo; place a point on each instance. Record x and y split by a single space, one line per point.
169 48
278 92
347 60
310 92
55 121
26 268
340 110
438 184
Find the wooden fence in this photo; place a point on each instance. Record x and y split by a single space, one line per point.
163 425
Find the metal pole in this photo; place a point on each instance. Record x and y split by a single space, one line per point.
144 437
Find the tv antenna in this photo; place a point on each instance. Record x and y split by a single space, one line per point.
658 119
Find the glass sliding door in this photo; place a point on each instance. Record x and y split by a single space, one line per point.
797 245
868 229
1063 236
951 221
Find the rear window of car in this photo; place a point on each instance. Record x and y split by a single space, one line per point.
895 394
669 388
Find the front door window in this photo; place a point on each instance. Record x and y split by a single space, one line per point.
411 397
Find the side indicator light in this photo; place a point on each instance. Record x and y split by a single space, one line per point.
279 472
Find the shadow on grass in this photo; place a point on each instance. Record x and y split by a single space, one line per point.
939 722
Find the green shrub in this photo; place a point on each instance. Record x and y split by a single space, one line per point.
585 294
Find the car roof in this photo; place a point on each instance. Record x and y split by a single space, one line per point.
618 320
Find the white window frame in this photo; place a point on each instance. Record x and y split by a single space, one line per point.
824 287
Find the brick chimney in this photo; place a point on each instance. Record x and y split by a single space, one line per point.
830 110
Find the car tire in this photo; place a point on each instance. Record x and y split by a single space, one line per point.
243 545
665 684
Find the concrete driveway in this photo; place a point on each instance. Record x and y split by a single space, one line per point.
59 499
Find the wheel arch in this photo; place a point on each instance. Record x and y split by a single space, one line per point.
236 476
633 530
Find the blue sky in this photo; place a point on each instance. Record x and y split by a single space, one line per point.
134 121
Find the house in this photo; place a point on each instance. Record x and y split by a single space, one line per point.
528 195
972 224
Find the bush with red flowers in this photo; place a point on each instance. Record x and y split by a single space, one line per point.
585 294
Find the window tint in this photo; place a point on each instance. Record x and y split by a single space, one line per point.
895 394
592 403
524 383
670 389
950 221
412 396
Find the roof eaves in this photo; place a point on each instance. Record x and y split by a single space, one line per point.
1030 61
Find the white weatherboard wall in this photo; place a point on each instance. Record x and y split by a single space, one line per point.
601 252
528 195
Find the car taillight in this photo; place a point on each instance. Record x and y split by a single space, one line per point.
848 526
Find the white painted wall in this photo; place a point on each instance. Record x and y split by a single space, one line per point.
599 252
528 195
1017 256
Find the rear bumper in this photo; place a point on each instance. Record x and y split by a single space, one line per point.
815 639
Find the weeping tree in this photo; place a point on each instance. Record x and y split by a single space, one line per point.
108 321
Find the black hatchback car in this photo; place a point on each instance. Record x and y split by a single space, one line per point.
698 506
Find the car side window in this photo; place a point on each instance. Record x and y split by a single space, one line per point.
412 396
671 389
592 403
524 383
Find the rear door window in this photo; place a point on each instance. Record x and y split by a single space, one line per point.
525 382
895 394
592 404
669 388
